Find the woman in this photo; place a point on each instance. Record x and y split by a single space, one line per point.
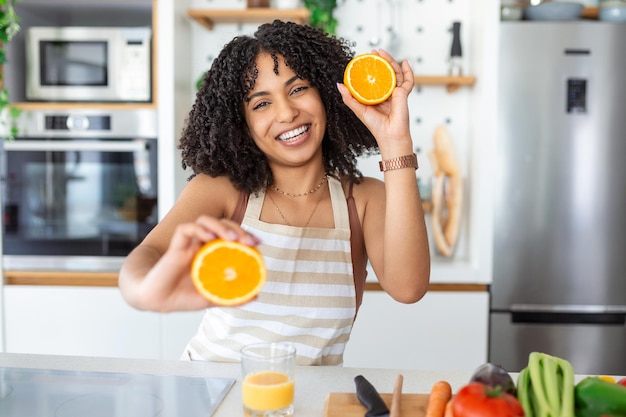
272 119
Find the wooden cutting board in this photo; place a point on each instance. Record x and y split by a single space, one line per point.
345 404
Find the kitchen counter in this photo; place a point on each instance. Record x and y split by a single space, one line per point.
109 279
313 383
103 272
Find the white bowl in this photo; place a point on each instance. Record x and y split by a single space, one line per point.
554 11
612 13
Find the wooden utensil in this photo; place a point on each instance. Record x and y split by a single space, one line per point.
396 398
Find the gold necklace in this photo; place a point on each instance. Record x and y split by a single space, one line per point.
317 187
283 216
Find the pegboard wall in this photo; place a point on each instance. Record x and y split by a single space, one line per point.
418 31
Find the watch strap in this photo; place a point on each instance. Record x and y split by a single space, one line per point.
404 161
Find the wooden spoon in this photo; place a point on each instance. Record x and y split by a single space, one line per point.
394 411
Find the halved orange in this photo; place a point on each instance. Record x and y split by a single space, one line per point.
370 78
228 272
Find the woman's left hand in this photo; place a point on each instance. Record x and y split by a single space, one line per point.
388 121
393 215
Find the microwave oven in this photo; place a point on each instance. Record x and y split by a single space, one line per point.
89 64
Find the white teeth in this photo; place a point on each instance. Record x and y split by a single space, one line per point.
293 134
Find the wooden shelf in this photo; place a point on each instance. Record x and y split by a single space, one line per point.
61 278
209 17
452 83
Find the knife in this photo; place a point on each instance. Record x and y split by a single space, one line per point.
370 398
456 52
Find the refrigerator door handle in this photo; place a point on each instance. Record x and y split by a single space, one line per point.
568 314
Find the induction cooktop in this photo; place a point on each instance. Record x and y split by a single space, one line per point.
53 393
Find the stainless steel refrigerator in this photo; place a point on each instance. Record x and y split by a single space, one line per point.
559 283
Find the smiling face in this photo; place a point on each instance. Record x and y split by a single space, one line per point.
285 115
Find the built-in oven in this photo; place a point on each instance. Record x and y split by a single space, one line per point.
78 186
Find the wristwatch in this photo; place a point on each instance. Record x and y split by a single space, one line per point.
405 161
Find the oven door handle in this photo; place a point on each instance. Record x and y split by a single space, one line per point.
73 145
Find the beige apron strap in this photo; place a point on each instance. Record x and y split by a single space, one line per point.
340 212
255 205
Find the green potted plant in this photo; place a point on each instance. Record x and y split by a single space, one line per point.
9 26
322 14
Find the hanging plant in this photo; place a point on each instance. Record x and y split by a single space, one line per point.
322 14
9 26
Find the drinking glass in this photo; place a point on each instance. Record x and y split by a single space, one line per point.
268 379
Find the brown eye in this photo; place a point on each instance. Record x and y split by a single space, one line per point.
299 89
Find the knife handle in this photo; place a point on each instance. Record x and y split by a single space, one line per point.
370 398
456 49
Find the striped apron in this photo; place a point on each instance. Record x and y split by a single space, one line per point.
309 299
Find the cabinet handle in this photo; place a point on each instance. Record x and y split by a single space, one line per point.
568 314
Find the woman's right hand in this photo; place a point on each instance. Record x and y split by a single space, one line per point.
188 238
167 285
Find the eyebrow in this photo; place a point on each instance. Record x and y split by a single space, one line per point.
263 93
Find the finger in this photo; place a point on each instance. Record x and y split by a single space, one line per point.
407 76
356 106
400 75
227 230
388 57
189 237
244 236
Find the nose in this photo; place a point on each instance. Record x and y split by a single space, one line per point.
285 111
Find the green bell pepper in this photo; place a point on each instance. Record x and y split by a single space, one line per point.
595 397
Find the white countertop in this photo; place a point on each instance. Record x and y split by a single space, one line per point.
313 383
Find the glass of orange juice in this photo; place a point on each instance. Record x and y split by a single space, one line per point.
268 379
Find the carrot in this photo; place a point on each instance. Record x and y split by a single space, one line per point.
440 394
448 412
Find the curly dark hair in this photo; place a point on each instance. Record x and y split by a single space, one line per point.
215 139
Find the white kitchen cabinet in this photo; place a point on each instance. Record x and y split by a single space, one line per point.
83 321
443 331
176 331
